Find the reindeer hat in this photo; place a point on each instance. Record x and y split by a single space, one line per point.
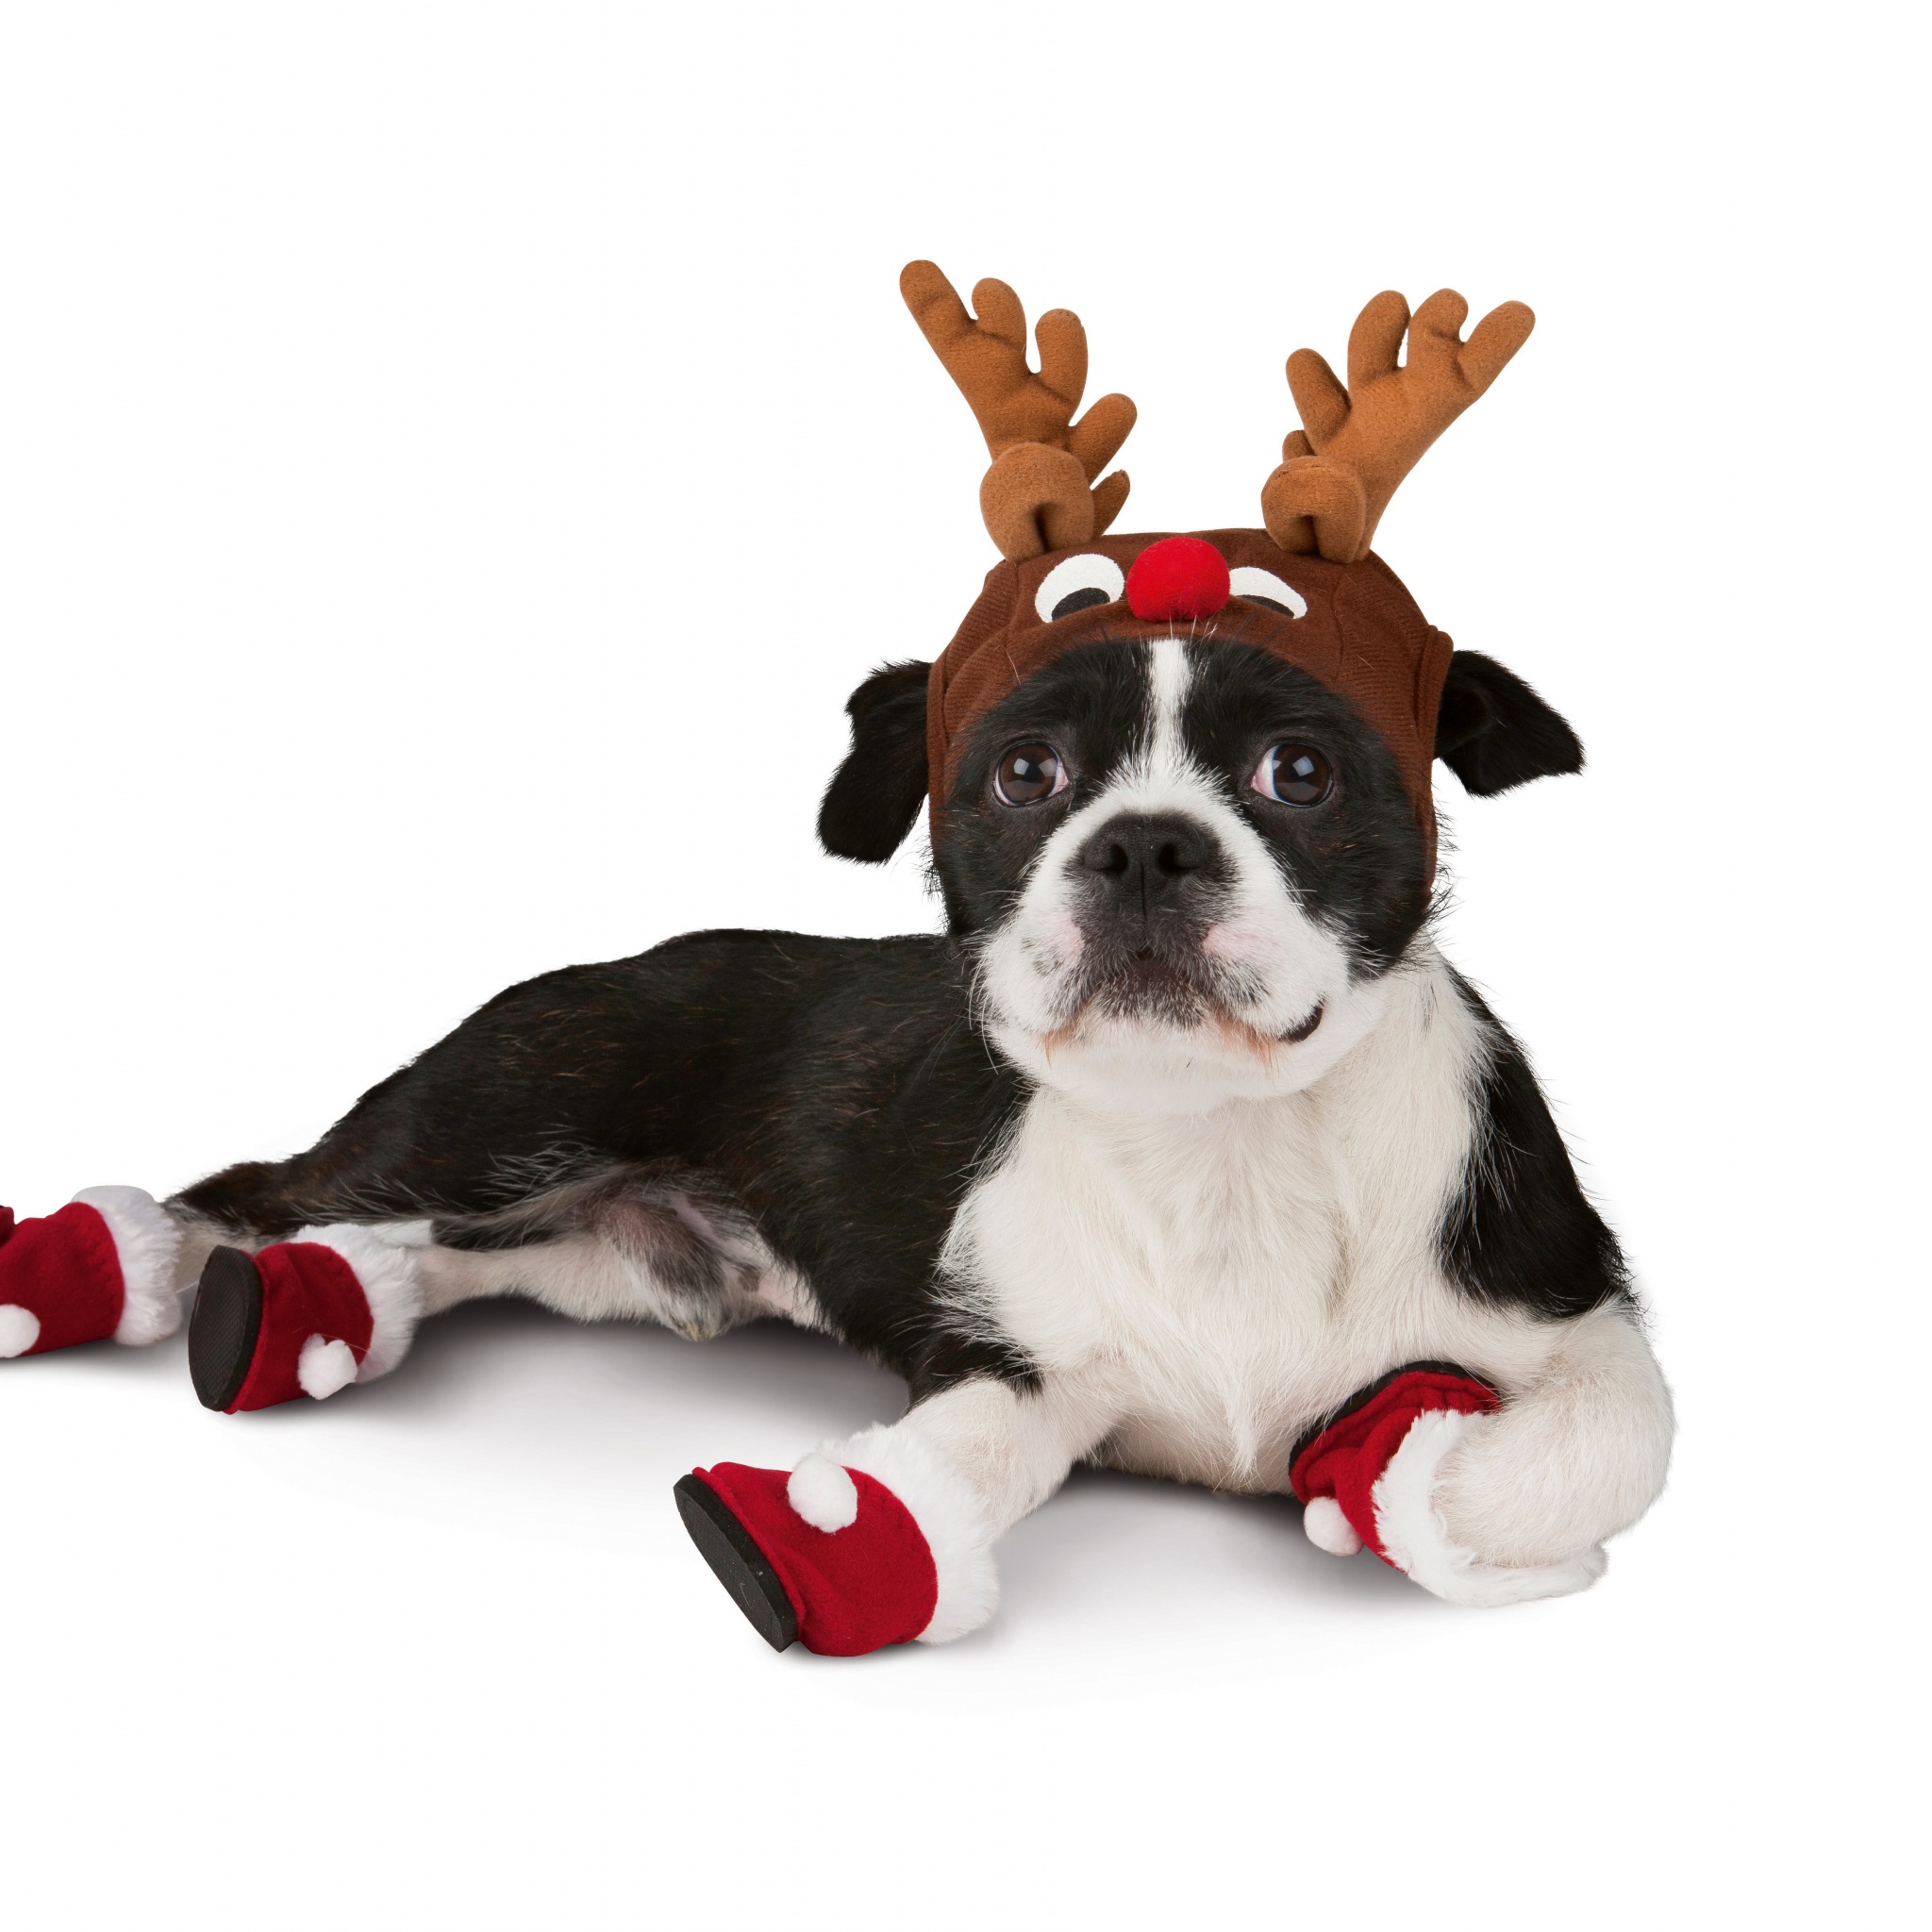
1304 588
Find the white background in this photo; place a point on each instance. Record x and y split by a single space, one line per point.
454 463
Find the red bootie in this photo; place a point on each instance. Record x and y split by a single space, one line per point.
305 1317
1337 1466
1367 1476
831 1558
103 1266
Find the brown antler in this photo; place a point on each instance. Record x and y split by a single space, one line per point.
1039 494
1356 444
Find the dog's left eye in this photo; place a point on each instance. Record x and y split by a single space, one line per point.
1028 773
1295 775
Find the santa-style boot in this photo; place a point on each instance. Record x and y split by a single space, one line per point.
102 1266
1367 1476
865 1543
306 1317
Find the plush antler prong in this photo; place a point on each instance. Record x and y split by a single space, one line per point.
1355 445
1040 493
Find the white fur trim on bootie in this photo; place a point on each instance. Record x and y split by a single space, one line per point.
324 1366
948 1515
822 1492
147 1241
1328 1529
20 1328
388 1274
1417 1540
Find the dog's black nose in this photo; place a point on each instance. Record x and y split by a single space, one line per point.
1146 860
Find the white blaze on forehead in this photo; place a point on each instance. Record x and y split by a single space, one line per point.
1169 677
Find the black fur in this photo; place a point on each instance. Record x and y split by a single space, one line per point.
1519 1232
1359 855
1494 732
876 795
832 1093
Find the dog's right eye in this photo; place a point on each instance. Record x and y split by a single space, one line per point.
1078 583
1028 773
1293 774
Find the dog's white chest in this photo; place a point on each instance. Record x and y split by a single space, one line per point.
1188 1265
1221 1279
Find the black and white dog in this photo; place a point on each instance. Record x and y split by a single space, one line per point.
1182 1134
1176 1149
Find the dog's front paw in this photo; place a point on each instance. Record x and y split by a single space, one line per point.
829 1555
868 1542
1374 1475
1417 1537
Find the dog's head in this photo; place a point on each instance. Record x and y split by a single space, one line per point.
1179 786
1186 861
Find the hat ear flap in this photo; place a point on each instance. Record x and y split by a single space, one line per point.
874 796
1494 732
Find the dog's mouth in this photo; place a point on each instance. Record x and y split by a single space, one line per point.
1304 1029
1149 982
1174 987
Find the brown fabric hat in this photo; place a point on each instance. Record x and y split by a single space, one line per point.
1361 636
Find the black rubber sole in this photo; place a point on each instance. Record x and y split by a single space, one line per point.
225 1326
736 1562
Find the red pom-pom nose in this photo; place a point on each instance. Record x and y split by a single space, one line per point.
1178 577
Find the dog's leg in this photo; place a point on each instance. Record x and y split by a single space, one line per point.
623 1253
1568 1461
304 1316
655 1270
106 1265
1488 1495
887 1537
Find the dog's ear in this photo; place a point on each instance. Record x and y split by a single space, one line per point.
1493 731
875 794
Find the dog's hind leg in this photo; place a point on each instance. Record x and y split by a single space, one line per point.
608 1239
305 1317
107 1266
114 1262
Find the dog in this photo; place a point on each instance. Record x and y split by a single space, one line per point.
1181 1151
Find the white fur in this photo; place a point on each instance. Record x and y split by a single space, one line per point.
388 1276
822 1492
1198 1289
20 1328
147 1242
407 1234
1281 961
950 1516
1218 1281
324 1366
1418 1543
1328 1529
969 1463
593 1279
